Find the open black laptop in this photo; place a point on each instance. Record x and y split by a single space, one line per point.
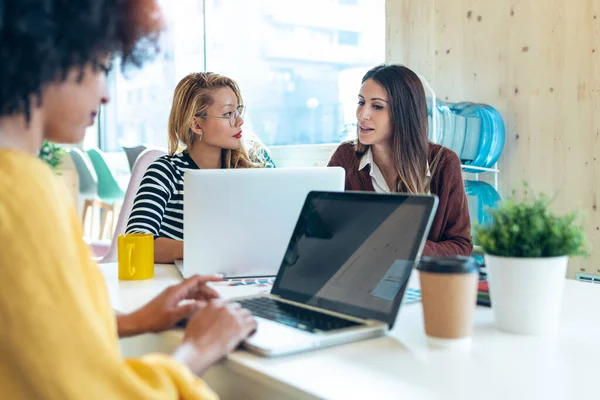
344 273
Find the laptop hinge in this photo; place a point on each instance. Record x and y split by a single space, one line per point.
329 312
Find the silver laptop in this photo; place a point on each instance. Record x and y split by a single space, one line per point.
238 222
344 273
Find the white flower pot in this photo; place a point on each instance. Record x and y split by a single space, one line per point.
526 293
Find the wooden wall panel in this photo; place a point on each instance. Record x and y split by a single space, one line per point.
538 63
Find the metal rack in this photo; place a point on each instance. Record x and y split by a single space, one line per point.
493 170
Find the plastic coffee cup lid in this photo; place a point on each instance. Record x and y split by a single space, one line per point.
448 265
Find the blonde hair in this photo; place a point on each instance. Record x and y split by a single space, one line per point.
193 95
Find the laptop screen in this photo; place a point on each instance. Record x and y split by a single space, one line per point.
354 252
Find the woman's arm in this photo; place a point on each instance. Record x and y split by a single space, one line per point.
453 212
167 250
166 309
148 210
62 341
451 247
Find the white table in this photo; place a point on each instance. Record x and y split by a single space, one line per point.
400 365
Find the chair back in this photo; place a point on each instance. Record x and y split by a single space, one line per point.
144 160
88 181
133 153
109 190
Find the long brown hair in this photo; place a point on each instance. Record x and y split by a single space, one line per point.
410 145
193 95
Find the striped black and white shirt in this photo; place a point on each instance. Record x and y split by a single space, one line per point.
158 205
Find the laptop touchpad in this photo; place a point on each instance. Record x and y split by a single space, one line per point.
271 335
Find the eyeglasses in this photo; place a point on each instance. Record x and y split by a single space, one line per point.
232 116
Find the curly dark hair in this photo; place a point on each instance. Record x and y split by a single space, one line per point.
41 40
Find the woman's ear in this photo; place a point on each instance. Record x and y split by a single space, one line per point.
195 126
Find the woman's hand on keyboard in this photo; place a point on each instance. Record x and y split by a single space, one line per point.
214 331
165 310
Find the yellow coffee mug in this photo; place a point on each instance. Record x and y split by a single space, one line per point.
136 256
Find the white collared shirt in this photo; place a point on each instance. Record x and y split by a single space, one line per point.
377 178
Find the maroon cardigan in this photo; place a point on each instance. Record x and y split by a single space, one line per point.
450 232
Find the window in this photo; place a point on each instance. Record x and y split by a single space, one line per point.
348 38
299 70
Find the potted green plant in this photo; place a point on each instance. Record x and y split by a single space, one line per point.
52 154
527 249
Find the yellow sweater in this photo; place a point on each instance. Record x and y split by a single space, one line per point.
58 337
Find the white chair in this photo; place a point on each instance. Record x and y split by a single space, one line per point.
142 163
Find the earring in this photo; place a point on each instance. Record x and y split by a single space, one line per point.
200 135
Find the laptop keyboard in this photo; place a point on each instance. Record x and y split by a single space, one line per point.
296 317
